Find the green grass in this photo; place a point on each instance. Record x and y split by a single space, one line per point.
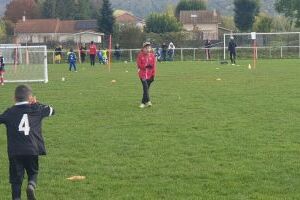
237 138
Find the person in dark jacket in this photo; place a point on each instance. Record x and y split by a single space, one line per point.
207 49
117 52
232 50
25 142
83 51
164 49
2 70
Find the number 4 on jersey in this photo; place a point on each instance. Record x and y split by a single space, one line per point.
24 125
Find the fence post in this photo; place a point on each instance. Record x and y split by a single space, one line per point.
181 52
53 57
130 55
299 44
224 46
194 54
281 54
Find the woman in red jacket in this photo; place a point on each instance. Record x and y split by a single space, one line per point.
146 63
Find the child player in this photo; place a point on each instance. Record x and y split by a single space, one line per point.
1 70
25 142
72 60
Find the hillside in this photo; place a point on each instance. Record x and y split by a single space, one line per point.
144 7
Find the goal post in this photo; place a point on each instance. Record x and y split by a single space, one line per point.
25 63
268 45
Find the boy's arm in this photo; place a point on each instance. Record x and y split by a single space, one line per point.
47 111
2 118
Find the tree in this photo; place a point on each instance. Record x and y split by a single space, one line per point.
66 9
82 9
2 30
228 22
290 8
106 19
49 9
18 8
162 23
189 5
263 24
129 36
245 12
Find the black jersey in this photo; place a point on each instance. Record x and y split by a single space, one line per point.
1 63
23 122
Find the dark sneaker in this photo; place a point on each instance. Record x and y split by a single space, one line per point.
30 192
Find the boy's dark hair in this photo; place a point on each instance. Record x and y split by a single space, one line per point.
22 93
92 42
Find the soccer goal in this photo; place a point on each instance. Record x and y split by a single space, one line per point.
268 45
25 63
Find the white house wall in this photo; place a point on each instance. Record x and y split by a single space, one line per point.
47 37
210 31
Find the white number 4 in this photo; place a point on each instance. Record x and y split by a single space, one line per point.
24 125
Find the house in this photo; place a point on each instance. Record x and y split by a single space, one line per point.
204 21
127 18
55 30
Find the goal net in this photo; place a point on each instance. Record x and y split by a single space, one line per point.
268 45
25 63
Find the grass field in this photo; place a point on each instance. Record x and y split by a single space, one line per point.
237 138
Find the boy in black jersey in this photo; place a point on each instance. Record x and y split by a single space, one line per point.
25 142
1 70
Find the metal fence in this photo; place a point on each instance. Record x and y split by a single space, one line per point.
200 54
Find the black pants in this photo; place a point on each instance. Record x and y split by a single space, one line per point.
232 57
146 87
92 58
82 56
17 167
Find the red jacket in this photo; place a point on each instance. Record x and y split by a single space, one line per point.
93 49
146 64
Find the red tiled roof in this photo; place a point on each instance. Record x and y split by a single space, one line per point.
37 26
55 26
126 18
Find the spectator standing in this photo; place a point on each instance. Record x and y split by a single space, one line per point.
82 53
164 49
92 52
117 52
171 51
207 46
232 50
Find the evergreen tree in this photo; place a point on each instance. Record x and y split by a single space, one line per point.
66 9
245 12
83 9
106 19
290 8
49 9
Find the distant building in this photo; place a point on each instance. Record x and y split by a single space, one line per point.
55 30
127 18
203 21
